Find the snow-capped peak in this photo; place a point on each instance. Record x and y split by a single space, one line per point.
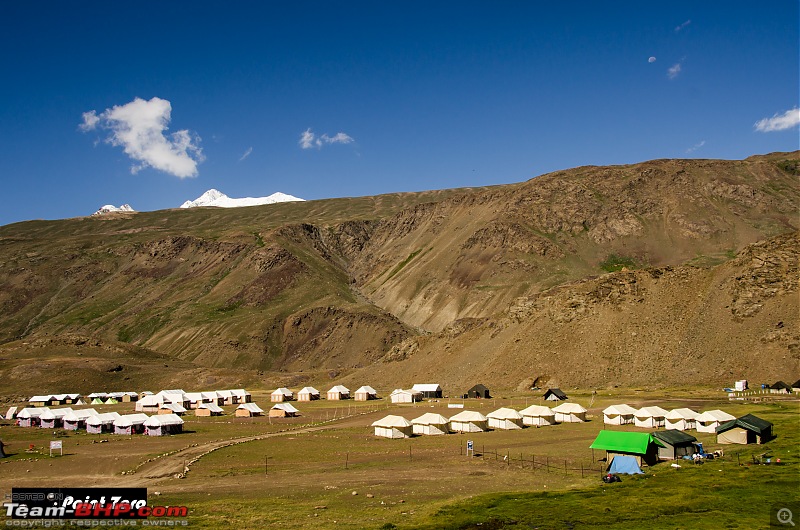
110 208
216 198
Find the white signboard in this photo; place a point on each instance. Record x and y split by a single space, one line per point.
455 405
56 445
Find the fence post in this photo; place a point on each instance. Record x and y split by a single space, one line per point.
581 469
533 463
346 459
565 467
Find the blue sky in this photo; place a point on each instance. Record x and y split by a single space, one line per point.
152 103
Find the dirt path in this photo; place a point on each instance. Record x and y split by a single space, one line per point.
177 464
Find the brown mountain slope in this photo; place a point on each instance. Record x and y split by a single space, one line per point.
331 286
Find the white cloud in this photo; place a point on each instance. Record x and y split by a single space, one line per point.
781 122
695 147
246 154
651 59
674 70
678 28
308 139
138 127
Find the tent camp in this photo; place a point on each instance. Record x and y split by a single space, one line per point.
53 418
709 420
675 444
29 416
618 414
555 394
399 395
338 392
102 423
77 419
283 410
641 445
505 418
430 424
748 429
428 390
308 393
650 417
163 424
469 421
208 409
680 419
281 394
365 393
569 413
247 410
538 416
393 427
478 391
130 424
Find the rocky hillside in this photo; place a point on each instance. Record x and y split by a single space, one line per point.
650 265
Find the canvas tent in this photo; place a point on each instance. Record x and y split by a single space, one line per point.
642 446
469 421
538 416
393 427
53 418
283 410
675 444
779 387
246 410
102 423
796 386
650 417
149 403
399 395
11 413
130 424
478 391
428 390
618 414
163 424
365 393
624 465
97 401
570 413
240 395
430 424
680 419
748 429
338 392
555 394
281 394
39 401
709 420
308 393
29 416
505 418
77 419
171 408
208 409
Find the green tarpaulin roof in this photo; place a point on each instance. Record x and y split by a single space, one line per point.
624 442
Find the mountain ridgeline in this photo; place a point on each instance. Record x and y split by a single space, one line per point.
660 273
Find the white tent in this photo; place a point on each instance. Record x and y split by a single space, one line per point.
29 416
248 409
163 424
680 419
469 421
339 392
619 414
101 423
570 413
226 396
171 408
149 403
282 410
429 390
505 418
195 399
365 393
650 417
393 427
130 424
431 424
308 393
208 409
77 418
709 420
12 413
281 394
240 395
399 395
538 416
52 418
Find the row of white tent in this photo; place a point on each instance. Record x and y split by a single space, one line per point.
680 419
470 421
337 392
192 400
99 423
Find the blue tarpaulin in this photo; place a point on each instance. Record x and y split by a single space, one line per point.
624 465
